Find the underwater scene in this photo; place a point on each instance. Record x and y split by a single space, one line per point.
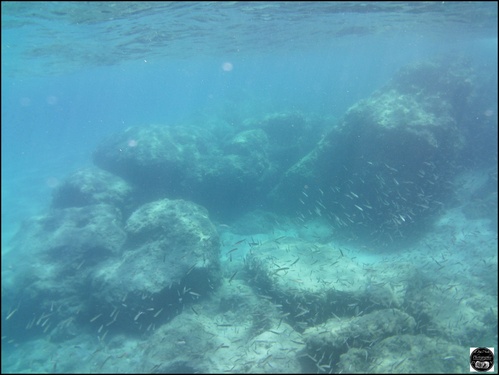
249 187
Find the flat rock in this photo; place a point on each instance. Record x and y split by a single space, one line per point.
316 282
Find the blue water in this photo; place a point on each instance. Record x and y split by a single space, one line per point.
74 74
52 122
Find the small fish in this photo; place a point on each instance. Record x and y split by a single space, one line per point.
390 168
95 318
222 346
81 264
281 269
233 275
292 264
104 336
320 204
302 313
190 269
10 315
266 359
137 316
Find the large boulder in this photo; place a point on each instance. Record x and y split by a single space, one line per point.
81 268
49 271
66 244
189 163
171 258
152 157
386 166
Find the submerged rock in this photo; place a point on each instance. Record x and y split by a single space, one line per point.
92 186
291 135
170 258
189 163
55 253
385 167
315 282
407 354
50 268
233 323
152 157
332 345
82 268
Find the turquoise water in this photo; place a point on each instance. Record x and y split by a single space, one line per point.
72 74
75 73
